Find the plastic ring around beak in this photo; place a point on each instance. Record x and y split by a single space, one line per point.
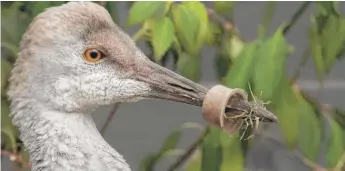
215 102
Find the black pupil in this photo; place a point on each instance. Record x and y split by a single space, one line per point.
94 54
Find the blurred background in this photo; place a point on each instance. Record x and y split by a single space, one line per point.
292 52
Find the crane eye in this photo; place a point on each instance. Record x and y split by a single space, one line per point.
93 55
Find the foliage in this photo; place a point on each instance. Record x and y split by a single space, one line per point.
326 37
179 30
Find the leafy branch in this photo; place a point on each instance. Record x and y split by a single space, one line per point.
300 11
227 25
190 150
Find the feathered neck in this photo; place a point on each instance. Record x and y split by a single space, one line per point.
63 141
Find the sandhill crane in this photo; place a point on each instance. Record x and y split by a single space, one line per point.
73 58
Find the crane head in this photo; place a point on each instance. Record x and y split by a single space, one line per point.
74 57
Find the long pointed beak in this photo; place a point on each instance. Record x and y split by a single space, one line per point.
168 85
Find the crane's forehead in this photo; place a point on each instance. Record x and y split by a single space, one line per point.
73 22
76 15
78 19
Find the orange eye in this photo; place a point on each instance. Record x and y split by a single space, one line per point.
93 55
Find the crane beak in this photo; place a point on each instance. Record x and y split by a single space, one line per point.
168 85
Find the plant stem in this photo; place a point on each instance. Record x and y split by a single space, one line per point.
110 117
138 34
190 150
227 25
270 9
314 166
296 16
301 65
311 164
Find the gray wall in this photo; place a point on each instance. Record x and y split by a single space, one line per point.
135 134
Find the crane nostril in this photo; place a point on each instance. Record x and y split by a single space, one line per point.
181 87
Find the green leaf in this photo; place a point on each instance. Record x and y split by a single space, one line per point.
6 68
232 158
57 3
221 151
233 46
326 42
211 157
242 69
213 33
211 150
287 110
316 51
332 38
339 116
222 64
171 141
270 9
167 6
162 36
7 128
182 17
327 8
143 10
148 25
269 12
189 66
111 7
38 7
270 65
194 163
309 137
341 53
13 49
213 137
335 147
149 162
199 10
223 7
327 37
237 45
13 23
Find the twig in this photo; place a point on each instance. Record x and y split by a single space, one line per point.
269 12
296 16
227 25
314 102
15 158
110 117
190 150
301 65
314 166
311 164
